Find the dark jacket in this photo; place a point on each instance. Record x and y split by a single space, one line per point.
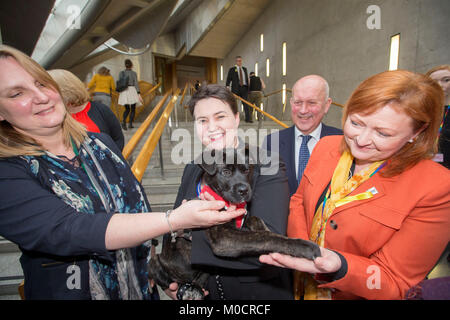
444 140
107 122
287 150
233 78
246 277
255 84
51 234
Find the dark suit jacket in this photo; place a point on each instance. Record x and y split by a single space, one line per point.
287 150
233 77
244 278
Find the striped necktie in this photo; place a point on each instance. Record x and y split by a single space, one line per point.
303 157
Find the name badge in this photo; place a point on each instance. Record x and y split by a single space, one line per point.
373 190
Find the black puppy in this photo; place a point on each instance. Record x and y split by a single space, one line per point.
228 173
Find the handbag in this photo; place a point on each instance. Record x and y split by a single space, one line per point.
122 83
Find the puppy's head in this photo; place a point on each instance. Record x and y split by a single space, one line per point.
228 172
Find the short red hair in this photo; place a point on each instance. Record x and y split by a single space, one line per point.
417 96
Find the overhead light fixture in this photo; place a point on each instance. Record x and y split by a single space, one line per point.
284 58
256 69
267 67
261 42
394 52
221 72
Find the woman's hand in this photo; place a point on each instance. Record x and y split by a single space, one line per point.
327 263
200 213
172 291
141 100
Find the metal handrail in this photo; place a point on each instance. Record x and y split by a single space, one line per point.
184 93
262 111
142 160
151 90
137 136
338 104
275 92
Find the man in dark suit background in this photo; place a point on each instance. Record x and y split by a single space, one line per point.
310 102
238 77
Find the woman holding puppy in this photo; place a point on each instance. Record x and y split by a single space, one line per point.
69 200
373 199
216 122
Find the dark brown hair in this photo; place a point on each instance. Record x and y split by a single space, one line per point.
128 64
413 94
213 91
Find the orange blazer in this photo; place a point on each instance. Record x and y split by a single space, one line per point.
390 241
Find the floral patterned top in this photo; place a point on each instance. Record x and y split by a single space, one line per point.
72 229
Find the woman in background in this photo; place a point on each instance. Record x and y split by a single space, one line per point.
96 116
131 95
103 84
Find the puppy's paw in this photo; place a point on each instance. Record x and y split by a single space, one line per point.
306 249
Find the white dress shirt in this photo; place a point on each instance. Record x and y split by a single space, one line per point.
315 137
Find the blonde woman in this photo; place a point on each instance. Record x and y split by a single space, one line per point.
69 200
93 114
103 84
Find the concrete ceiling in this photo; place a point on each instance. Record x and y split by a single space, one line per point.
135 23
124 19
116 19
227 29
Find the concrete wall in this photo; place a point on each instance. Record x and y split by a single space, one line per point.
331 38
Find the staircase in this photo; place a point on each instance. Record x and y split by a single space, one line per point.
11 274
161 189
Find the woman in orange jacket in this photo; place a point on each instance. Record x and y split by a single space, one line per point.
372 199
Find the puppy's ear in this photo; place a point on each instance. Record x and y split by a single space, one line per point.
250 155
208 162
210 169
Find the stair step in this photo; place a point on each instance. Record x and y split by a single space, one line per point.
156 181
156 172
8 246
162 189
162 198
161 207
9 287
